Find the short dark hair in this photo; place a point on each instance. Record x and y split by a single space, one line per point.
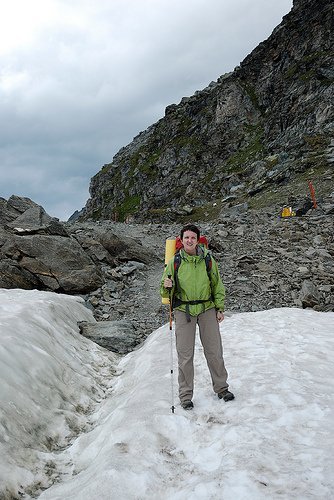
190 227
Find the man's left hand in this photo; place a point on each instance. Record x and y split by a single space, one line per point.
220 316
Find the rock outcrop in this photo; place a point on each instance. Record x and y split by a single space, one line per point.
255 135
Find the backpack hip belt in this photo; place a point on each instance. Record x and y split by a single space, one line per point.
178 302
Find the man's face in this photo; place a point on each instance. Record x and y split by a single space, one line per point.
189 241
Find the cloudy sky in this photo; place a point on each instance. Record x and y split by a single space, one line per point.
80 78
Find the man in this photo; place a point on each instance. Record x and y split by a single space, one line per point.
198 298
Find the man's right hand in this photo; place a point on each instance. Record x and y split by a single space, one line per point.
168 283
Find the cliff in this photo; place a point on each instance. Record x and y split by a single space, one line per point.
255 135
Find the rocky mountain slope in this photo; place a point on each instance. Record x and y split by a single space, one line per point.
256 134
265 261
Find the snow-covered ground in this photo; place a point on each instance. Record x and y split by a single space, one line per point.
87 424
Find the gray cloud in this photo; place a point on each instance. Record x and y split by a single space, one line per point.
95 74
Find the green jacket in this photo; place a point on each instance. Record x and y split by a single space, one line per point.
194 283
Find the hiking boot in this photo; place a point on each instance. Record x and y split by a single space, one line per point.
226 395
187 405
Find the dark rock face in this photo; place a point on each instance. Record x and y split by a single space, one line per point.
256 133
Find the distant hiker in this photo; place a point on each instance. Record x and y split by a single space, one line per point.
198 298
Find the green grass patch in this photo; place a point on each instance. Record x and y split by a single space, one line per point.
318 141
250 91
255 149
145 160
129 206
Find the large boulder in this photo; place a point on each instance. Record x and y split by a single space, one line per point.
125 248
36 251
36 221
12 275
13 208
117 336
58 262
309 294
103 244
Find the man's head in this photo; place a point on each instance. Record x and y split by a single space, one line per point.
190 227
190 235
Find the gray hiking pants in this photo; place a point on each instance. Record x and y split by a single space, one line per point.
213 351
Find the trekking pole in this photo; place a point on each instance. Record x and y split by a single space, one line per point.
171 344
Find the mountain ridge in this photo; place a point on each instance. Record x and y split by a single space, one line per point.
267 124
